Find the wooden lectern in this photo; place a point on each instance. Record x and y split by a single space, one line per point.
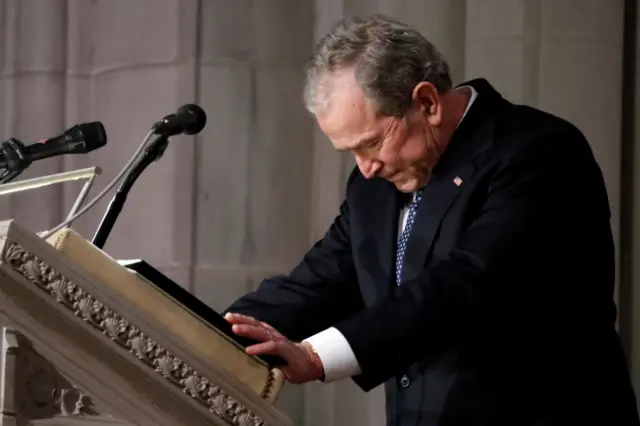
88 340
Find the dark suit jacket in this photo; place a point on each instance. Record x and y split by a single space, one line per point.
505 315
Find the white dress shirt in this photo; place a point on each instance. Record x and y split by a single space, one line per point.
334 351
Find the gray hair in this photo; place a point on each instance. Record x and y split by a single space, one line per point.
388 57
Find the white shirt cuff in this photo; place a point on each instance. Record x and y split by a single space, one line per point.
338 359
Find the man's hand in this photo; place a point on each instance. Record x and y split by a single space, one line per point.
303 364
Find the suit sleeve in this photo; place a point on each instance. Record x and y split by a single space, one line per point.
320 291
547 184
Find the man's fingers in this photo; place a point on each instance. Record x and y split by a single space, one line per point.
244 319
268 327
269 347
253 332
241 319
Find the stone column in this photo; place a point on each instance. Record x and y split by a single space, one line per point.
254 160
32 98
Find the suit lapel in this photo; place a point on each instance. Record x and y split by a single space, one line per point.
456 166
438 196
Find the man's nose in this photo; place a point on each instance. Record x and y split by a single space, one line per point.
368 167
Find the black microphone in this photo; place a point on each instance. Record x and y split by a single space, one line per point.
189 119
79 139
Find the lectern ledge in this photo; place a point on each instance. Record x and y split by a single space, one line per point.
87 339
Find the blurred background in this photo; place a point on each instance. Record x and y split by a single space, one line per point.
249 195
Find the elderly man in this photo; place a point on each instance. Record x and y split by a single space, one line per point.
471 266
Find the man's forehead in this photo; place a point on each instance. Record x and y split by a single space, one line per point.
349 115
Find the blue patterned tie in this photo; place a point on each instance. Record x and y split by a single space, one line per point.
402 242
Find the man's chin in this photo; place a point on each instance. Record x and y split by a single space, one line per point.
410 185
407 186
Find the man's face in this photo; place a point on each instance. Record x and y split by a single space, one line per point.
402 150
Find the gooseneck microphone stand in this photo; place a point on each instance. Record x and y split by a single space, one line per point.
189 119
15 155
152 153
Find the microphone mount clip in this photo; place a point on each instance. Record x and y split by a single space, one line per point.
15 153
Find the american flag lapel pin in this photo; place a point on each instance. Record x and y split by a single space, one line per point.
457 180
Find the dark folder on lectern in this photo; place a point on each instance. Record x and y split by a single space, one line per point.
193 304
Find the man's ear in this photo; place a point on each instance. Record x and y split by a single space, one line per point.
426 96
